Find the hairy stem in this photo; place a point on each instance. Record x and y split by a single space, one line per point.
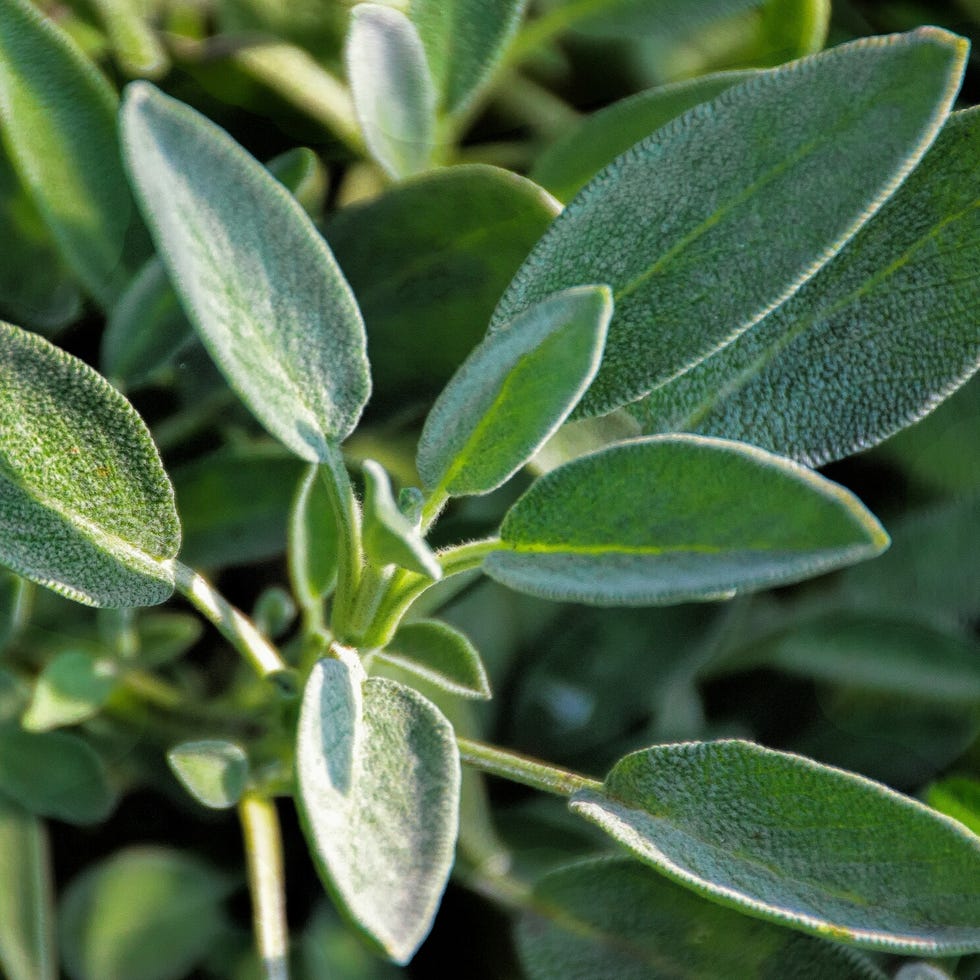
522 769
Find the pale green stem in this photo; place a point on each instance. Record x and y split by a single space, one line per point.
266 883
522 769
235 627
350 554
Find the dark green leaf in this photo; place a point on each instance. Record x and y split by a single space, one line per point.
86 507
787 839
213 771
72 688
705 226
663 18
165 636
676 518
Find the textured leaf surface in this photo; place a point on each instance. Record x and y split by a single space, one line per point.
442 655
566 166
255 277
378 776
790 840
428 261
213 771
392 87
670 519
85 506
59 118
879 336
143 914
463 41
513 392
75 786
27 946
72 687
704 227
616 919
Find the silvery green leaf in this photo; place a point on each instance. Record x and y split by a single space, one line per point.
378 774
711 222
85 506
213 771
256 279
874 341
392 87
790 840
674 519
512 393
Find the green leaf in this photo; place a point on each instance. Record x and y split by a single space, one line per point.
389 537
661 18
59 118
615 918
705 226
313 540
796 842
74 786
512 393
429 259
255 277
566 166
392 87
163 637
849 360
378 776
677 518
958 797
464 41
213 771
27 944
442 655
73 687
146 913
87 509
133 41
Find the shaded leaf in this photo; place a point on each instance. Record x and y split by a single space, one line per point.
313 540
792 841
213 771
71 688
165 636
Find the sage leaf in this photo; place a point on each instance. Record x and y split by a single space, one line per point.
714 220
851 358
615 918
314 540
133 41
513 392
213 771
661 18
441 654
787 839
464 40
86 507
677 518
27 943
146 913
256 279
165 636
75 787
59 118
378 774
428 261
71 688
569 163
958 797
389 537
393 91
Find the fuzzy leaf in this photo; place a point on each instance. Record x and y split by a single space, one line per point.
393 91
677 518
378 775
513 392
255 277
313 540
873 342
464 40
59 118
72 688
213 771
708 224
615 918
442 655
796 842
85 506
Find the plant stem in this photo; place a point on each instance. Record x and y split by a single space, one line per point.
522 769
236 628
266 882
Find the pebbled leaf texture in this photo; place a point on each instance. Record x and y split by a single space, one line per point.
255 277
714 220
85 506
674 519
789 840
873 342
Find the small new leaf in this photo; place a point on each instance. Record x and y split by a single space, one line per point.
213 771
70 689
